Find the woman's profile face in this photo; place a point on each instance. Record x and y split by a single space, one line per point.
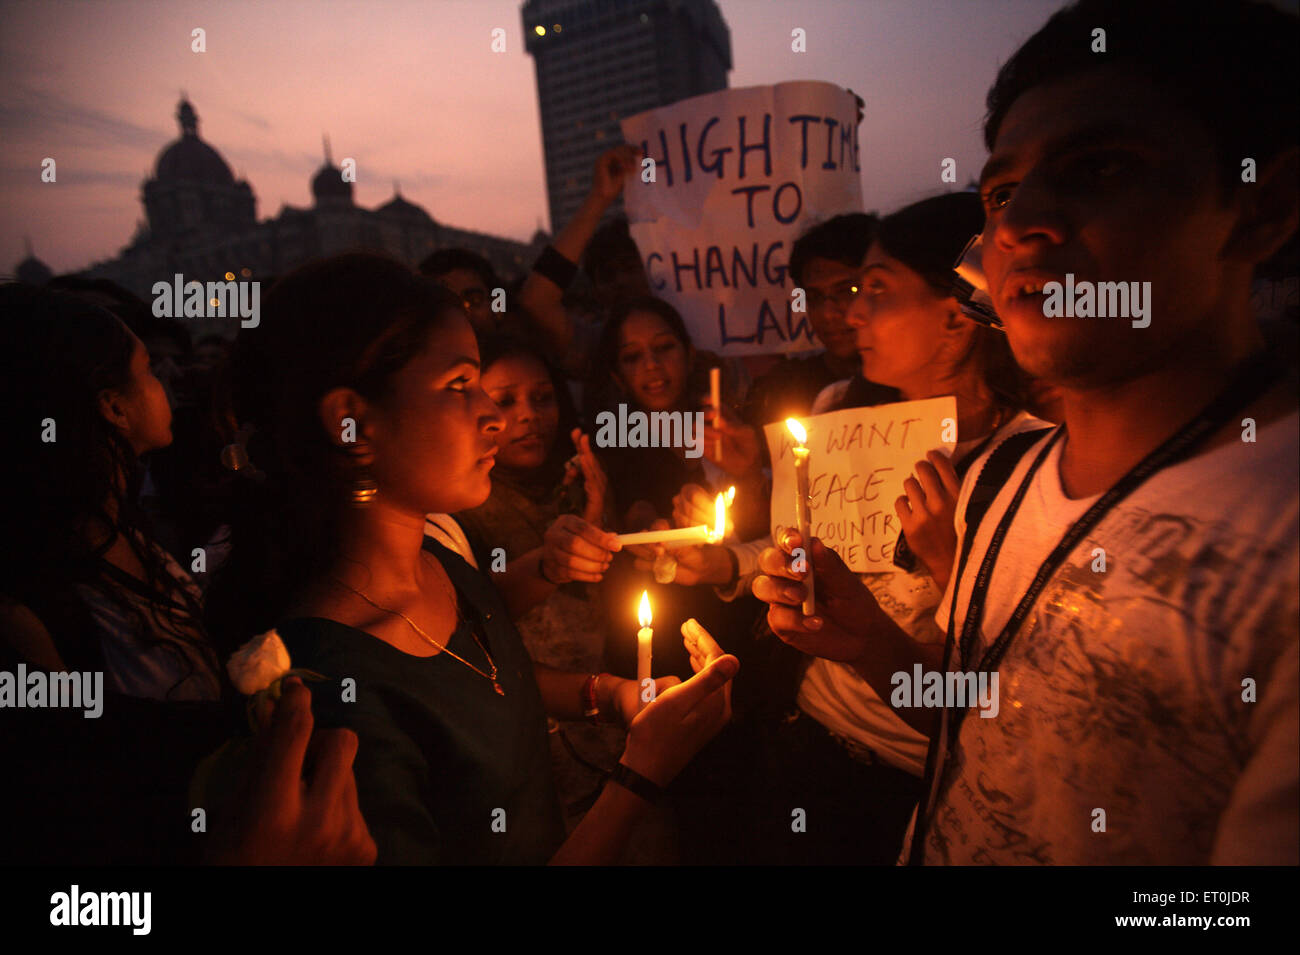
899 321
433 435
522 389
652 362
148 413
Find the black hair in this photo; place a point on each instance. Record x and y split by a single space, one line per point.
927 237
1231 63
844 239
607 348
352 320
601 389
495 347
58 354
444 261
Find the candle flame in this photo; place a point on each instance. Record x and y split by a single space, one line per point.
643 612
731 495
719 519
797 430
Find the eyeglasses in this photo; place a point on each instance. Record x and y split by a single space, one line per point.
842 295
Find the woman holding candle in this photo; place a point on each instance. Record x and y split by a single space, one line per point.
374 416
846 753
647 358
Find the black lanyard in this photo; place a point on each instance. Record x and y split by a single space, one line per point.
1255 377
1252 380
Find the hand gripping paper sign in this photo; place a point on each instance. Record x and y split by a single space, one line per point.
738 175
859 459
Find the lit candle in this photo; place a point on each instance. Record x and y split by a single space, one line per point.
681 536
643 640
715 396
686 536
801 513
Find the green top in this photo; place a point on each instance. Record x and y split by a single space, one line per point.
439 750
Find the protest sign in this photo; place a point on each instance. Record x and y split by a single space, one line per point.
860 459
737 176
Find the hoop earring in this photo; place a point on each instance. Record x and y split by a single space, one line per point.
363 490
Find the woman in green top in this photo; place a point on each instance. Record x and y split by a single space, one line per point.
362 385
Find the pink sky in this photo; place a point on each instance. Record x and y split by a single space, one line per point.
414 93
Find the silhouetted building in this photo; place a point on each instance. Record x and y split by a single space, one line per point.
599 61
202 223
31 269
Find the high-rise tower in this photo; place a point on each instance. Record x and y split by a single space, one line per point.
599 61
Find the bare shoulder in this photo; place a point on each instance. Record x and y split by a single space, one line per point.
24 633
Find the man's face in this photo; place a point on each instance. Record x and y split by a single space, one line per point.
1101 176
475 296
831 286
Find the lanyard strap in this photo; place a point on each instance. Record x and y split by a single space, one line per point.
1255 376
1252 380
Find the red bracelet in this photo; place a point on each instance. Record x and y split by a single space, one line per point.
590 704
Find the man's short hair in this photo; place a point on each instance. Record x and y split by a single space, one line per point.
1231 63
444 261
843 239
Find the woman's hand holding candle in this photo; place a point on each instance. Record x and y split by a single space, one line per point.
732 445
576 550
664 736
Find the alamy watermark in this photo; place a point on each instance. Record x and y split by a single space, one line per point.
75 907
956 688
41 690
181 299
1098 300
656 429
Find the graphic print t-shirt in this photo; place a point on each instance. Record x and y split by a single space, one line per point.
1127 690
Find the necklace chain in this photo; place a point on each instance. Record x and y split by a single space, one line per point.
445 649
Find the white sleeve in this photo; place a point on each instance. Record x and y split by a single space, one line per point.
1261 824
747 567
444 529
829 396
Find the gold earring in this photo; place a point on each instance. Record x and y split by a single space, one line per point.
363 490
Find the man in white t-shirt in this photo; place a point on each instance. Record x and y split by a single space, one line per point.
1149 701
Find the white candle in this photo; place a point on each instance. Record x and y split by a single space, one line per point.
686 536
715 396
801 509
644 638
681 536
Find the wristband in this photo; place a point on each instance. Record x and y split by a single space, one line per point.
590 702
636 784
554 266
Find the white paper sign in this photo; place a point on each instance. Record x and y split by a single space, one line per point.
860 459
738 176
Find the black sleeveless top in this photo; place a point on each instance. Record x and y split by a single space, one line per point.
447 770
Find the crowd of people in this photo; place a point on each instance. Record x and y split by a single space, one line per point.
402 483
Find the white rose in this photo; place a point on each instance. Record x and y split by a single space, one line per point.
258 663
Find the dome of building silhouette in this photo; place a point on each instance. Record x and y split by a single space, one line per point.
33 271
190 159
328 183
400 208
